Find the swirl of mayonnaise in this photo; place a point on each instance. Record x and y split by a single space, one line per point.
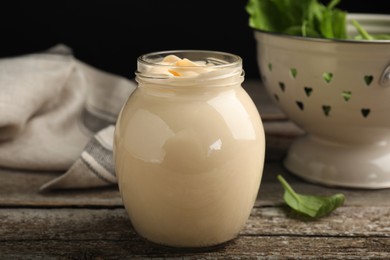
177 67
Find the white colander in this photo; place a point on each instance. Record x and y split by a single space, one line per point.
338 91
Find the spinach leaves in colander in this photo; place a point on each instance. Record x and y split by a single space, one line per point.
304 18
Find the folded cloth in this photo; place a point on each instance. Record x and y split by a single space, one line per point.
58 114
94 167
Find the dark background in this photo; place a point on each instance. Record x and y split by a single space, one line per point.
110 35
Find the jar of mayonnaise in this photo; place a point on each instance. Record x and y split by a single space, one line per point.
189 149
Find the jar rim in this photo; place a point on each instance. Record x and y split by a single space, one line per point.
220 59
225 67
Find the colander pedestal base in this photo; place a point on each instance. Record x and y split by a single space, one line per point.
341 165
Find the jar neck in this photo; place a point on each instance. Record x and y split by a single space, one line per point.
210 70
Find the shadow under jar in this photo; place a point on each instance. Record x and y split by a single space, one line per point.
189 149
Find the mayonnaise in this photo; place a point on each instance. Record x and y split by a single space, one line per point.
189 150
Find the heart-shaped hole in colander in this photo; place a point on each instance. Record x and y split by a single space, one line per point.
293 72
368 79
308 91
300 105
327 76
346 95
282 86
326 109
270 66
365 112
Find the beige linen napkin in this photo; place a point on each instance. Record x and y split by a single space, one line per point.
58 114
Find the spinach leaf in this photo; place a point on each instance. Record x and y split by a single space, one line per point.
303 18
364 35
333 24
310 205
278 16
297 17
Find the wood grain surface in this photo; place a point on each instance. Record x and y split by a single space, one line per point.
92 224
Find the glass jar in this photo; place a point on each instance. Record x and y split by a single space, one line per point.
189 150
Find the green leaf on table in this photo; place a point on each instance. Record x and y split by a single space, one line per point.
311 205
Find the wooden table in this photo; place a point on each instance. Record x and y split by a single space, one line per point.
92 224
